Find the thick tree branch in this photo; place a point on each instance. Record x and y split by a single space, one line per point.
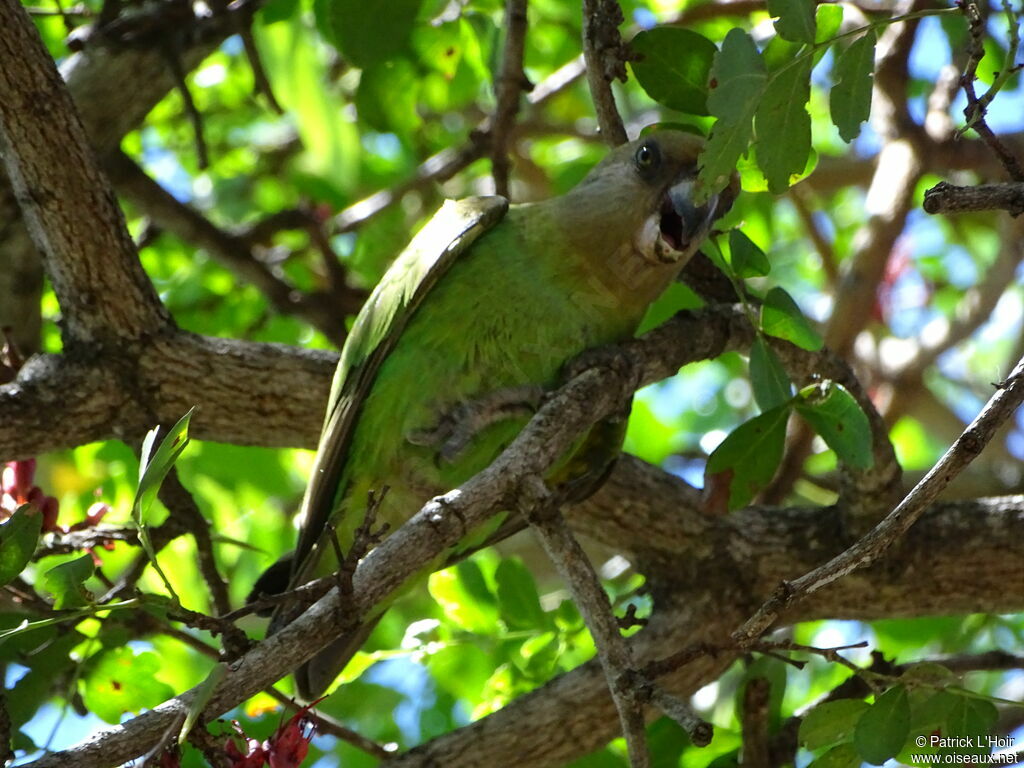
69 208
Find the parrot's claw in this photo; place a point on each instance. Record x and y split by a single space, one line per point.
457 428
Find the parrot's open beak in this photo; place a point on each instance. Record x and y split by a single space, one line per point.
682 224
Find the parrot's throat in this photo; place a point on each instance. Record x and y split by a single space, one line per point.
671 226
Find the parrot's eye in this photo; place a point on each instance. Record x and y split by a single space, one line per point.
647 158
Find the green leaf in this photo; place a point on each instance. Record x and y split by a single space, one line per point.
278 10
795 19
124 682
370 33
464 596
66 582
198 703
752 177
842 756
972 718
747 259
831 722
387 98
18 538
838 418
154 466
828 18
850 99
751 453
517 596
783 125
782 318
882 730
768 378
738 80
675 67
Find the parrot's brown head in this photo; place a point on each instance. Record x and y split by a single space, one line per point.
648 189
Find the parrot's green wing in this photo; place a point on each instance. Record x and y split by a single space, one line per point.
380 323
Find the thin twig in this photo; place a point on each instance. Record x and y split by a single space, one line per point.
976 106
181 504
511 82
1000 407
575 569
756 697
259 75
173 60
799 195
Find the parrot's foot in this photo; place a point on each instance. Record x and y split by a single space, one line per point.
458 427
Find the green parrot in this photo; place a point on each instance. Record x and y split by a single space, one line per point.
485 307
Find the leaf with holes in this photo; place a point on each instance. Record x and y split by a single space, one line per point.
838 418
782 318
738 80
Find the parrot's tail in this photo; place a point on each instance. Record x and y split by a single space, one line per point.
314 677
272 581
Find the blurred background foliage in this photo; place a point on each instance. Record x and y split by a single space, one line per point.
375 97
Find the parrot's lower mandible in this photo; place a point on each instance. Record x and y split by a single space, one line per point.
489 299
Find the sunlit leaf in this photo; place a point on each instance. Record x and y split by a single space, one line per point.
67 582
782 318
838 418
738 79
124 682
18 538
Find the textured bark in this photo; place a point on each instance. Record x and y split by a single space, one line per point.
247 393
961 558
113 88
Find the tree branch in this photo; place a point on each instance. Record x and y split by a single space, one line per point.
948 198
69 208
997 410
605 55
511 82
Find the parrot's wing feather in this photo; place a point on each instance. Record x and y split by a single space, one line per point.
377 328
